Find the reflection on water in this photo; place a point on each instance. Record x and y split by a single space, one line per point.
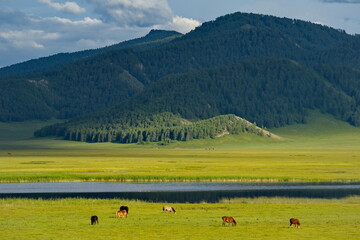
177 192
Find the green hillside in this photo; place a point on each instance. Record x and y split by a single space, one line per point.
321 132
269 92
261 68
144 128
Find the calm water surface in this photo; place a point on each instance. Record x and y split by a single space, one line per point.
176 192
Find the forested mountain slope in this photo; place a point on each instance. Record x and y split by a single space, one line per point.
77 87
270 92
265 69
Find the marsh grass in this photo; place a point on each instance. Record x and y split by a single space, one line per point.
180 165
262 219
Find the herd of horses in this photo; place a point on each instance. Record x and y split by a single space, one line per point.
124 211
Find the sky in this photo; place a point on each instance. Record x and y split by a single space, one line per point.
31 29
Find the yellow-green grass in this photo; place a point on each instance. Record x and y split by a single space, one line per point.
180 165
325 149
262 219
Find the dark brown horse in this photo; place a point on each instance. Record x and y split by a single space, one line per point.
228 220
122 213
124 208
294 221
94 220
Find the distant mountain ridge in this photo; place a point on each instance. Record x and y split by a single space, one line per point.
152 39
265 69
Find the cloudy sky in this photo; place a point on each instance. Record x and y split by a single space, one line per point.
35 28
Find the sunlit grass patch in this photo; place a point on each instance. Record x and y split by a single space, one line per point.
256 219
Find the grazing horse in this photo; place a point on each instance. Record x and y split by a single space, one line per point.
294 221
124 208
122 213
228 220
168 208
94 220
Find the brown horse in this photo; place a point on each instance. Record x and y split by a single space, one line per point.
228 220
294 221
122 213
94 220
126 208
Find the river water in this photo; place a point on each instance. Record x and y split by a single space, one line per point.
177 191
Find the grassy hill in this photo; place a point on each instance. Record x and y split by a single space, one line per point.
322 131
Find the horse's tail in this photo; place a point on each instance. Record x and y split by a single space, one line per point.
173 209
234 222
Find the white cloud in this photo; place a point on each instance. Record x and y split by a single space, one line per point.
27 39
85 21
183 25
141 13
69 7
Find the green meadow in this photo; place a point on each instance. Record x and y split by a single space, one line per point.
325 149
264 218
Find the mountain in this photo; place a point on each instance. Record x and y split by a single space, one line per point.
153 39
78 84
262 68
270 92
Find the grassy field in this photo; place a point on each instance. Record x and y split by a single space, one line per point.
325 149
256 219
180 165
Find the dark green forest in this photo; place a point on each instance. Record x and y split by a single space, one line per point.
265 69
143 128
271 93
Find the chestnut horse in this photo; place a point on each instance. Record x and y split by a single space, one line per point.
294 221
168 208
228 220
122 213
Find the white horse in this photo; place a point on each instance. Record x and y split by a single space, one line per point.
168 208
